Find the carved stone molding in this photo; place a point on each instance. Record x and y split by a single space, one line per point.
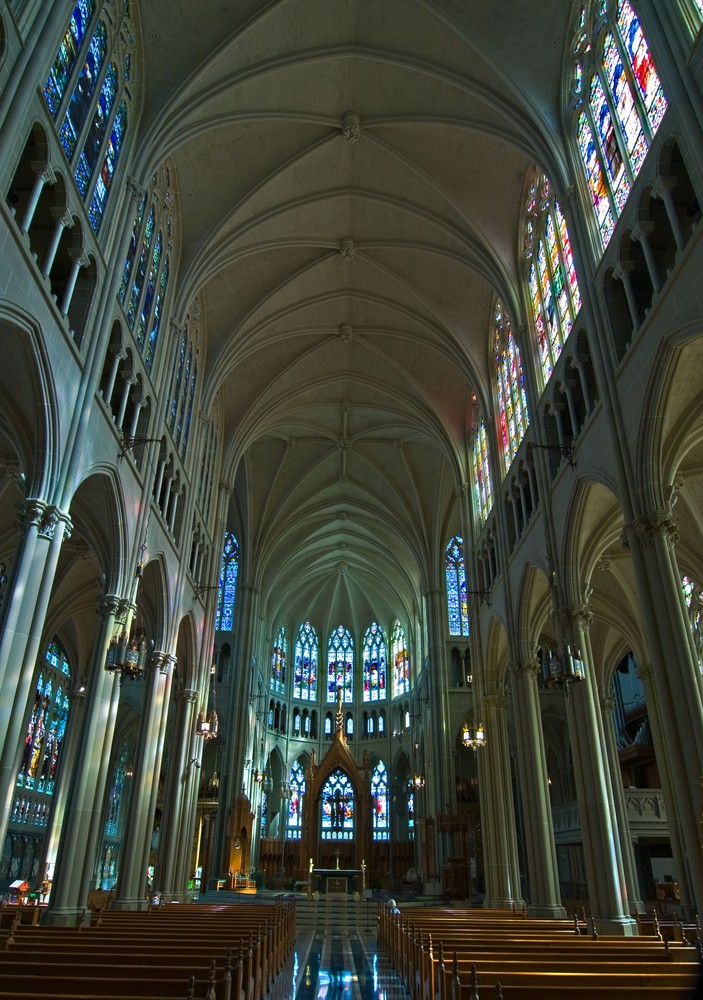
657 524
351 127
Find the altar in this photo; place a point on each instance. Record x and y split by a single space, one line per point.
336 881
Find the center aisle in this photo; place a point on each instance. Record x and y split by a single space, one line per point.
338 966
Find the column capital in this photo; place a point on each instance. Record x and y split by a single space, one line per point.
162 661
497 702
44 516
111 604
227 488
657 523
187 695
578 614
526 668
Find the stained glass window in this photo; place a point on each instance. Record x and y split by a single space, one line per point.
457 603
337 797
624 108
180 404
381 826
411 815
511 395
107 170
229 568
81 99
306 663
46 726
374 664
296 782
553 289
401 660
65 62
279 659
114 798
693 598
340 664
482 490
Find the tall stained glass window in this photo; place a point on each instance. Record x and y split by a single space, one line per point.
552 284
618 104
457 603
482 488
85 92
374 664
45 730
401 660
380 822
114 799
179 405
693 598
305 668
146 267
279 659
511 395
340 664
229 567
294 822
337 797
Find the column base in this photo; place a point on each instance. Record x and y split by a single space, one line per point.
130 904
547 910
66 917
624 926
495 903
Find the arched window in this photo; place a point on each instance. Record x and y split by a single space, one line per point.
328 724
349 724
86 94
511 396
279 659
374 664
381 827
229 568
337 796
381 723
114 799
296 722
618 103
457 604
553 290
296 781
45 732
305 668
693 598
340 663
146 267
411 815
482 489
401 660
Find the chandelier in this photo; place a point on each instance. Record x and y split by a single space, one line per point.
207 725
561 671
127 654
473 737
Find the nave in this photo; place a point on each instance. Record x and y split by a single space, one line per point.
330 964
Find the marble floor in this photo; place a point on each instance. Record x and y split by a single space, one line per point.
338 966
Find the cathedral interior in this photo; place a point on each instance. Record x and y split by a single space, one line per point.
351 451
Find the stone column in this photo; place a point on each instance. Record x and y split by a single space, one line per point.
677 685
183 769
628 856
131 879
440 791
43 174
622 271
497 810
64 220
607 886
87 780
30 587
545 899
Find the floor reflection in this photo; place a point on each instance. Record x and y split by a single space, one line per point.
342 967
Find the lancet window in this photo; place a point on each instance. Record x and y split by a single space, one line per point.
86 93
306 663
381 827
618 103
693 599
401 660
374 664
46 726
337 797
482 488
279 660
229 568
511 395
184 379
340 664
455 573
296 781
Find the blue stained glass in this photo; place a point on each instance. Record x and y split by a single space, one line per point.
60 73
156 320
401 662
340 664
337 798
82 96
296 781
229 567
642 64
381 825
306 663
610 149
149 294
46 726
184 396
115 793
177 387
457 598
132 250
141 268
596 179
374 664
107 171
94 140
279 658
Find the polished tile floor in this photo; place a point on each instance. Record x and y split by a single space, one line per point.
338 966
